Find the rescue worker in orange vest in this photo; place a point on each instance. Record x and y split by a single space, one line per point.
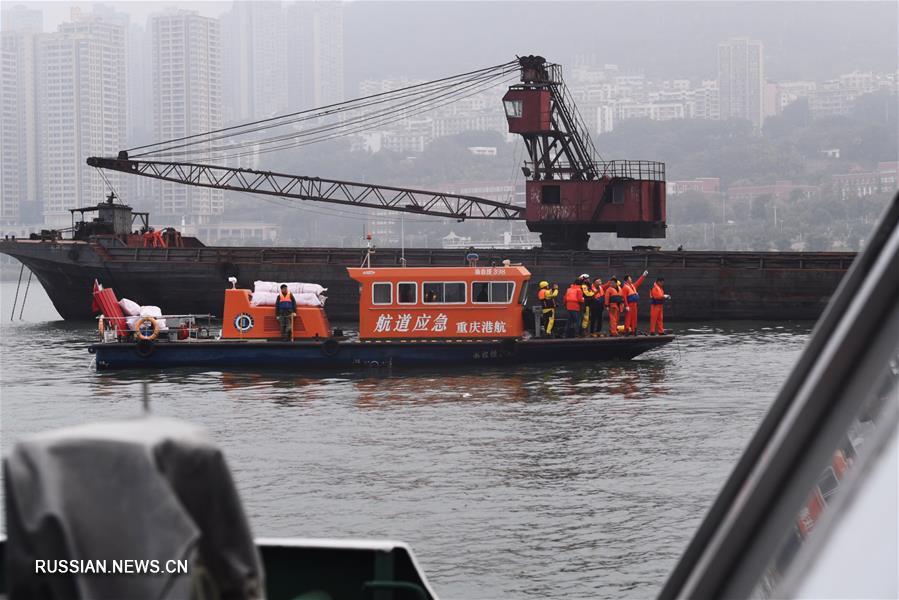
630 302
547 296
614 303
589 294
596 309
285 307
574 301
657 297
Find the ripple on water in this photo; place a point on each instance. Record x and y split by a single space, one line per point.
552 481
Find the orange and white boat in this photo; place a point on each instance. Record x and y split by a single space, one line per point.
408 317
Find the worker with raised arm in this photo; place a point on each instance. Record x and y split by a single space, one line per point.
599 291
614 304
574 302
285 308
657 297
631 297
587 291
547 296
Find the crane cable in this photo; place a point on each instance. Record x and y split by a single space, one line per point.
301 142
335 108
380 117
314 115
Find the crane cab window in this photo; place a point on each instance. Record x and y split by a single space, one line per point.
406 292
443 292
381 293
551 194
493 292
513 108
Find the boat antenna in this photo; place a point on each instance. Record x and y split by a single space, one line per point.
369 250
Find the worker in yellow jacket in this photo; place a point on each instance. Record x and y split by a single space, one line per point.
547 296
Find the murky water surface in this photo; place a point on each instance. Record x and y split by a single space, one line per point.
579 481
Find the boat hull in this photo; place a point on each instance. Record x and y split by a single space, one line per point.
333 354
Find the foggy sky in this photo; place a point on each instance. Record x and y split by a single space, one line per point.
803 40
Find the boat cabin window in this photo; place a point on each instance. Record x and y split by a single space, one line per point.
444 292
381 293
523 296
406 292
494 292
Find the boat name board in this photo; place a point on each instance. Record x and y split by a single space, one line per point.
408 323
489 271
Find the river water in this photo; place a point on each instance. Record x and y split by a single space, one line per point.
581 481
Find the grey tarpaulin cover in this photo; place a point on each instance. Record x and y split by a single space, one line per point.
141 489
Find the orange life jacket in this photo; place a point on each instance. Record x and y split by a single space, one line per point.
573 297
613 295
657 294
547 297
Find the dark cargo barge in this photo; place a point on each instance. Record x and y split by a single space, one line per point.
704 285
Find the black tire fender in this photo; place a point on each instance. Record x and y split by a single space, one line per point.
509 346
330 347
144 348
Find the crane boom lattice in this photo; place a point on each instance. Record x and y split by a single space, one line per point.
299 187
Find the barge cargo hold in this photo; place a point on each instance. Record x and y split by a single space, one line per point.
704 285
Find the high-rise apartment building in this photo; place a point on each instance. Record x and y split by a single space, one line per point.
741 80
21 18
187 100
19 199
315 59
255 61
81 87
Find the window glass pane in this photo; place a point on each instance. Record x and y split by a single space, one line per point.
513 108
455 292
381 293
523 296
433 292
480 291
501 291
406 293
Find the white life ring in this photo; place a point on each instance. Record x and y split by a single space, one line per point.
141 334
243 322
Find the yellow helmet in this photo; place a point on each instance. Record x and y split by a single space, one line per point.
544 284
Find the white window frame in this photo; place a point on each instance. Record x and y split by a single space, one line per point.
464 292
490 292
389 285
414 285
514 108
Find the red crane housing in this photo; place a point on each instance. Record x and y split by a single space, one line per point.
570 190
